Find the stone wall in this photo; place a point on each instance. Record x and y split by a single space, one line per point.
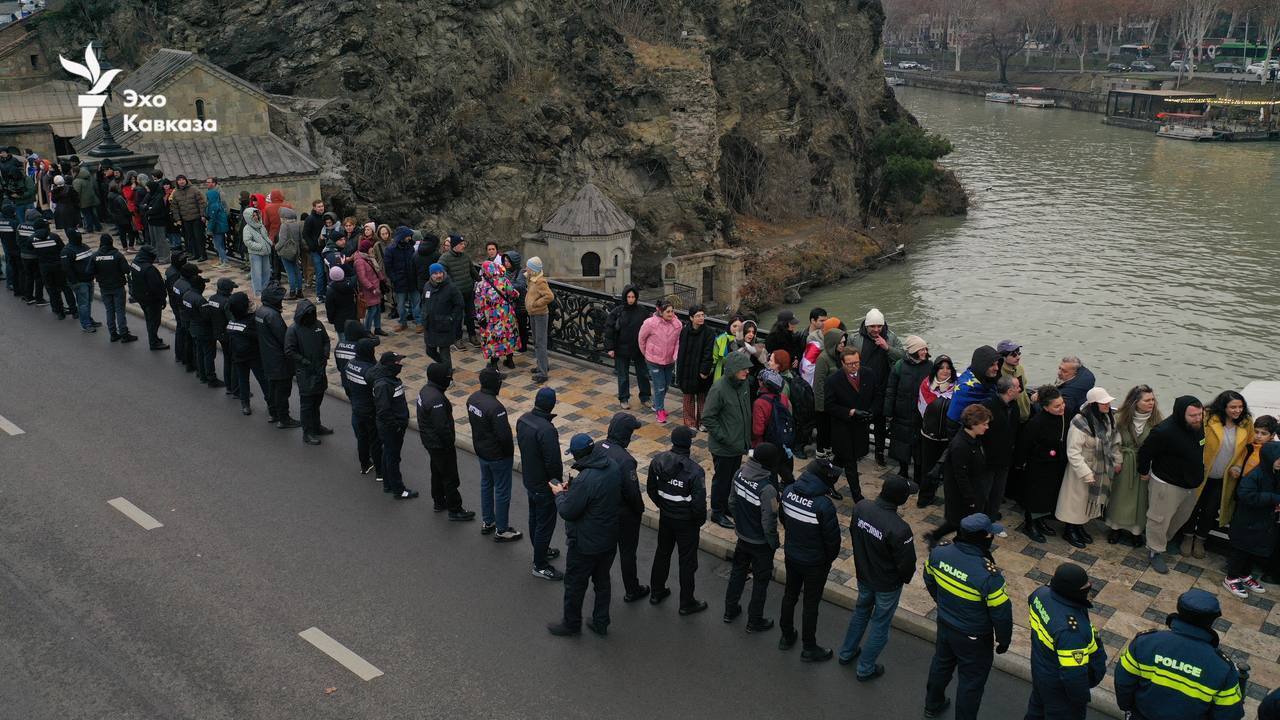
238 111
18 71
36 137
298 191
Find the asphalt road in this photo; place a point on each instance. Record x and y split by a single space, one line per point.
264 537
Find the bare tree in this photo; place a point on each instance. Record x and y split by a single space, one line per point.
1001 32
1269 24
1195 17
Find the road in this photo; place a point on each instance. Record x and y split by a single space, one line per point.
263 538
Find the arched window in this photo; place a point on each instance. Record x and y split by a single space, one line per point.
590 265
199 109
617 259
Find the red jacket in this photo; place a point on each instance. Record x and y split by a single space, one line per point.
762 413
271 213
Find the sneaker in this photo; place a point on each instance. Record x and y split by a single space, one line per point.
662 417
548 573
1251 583
488 528
407 494
95 323
90 329
553 553
366 471
624 404
559 629
1235 586
508 535
42 303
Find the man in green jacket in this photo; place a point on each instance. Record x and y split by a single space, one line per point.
87 190
827 363
727 416
464 274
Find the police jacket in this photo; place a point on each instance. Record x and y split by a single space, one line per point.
242 335
27 230
969 589
539 450
809 516
358 380
677 485
632 496
145 282
8 232
193 312
755 514
1065 652
172 276
47 246
345 350
77 262
306 345
884 551
590 505
390 408
1178 673
491 427
217 312
271 332
435 418
110 269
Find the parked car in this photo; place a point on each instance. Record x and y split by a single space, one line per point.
1182 66
1117 67
1227 67
888 63
1262 68
908 65
1141 66
924 68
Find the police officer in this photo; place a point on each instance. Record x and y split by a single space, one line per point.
275 365
392 415
306 344
1066 657
13 272
496 451
973 612
345 349
1179 673
111 271
181 339
48 249
539 442
813 543
436 431
753 502
621 427
357 378
242 332
77 271
148 289
218 311
199 326
677 485
32 283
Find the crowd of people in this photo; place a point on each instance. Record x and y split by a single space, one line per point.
980 437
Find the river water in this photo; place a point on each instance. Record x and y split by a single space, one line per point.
1153 260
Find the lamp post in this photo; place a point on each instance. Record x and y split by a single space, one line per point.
108 148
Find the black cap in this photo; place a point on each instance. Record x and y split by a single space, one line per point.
391 358
682 437
439 373
1199 608
768 455
226 285
897 489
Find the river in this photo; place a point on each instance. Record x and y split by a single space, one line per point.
1153 260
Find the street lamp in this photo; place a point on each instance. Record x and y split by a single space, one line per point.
108 148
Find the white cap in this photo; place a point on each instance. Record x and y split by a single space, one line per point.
1099 395
874 317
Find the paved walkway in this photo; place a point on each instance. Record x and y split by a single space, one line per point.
1129 597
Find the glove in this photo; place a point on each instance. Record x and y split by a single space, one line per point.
861 415
1002 648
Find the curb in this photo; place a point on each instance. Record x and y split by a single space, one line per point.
922 627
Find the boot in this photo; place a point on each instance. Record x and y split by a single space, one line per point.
309 439
1071 533
509 361
1043 527
1197 548
1084 534
1031 529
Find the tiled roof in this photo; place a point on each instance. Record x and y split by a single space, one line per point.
589 213
52 103
227 157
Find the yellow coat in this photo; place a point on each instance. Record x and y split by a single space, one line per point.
1213 433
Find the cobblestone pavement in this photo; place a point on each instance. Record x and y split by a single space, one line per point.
1129 597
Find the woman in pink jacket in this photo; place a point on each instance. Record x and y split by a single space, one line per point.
369 279
659 341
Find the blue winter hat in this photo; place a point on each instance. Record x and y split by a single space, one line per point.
435 268
402 233
534 264
581 445
545 399
979 522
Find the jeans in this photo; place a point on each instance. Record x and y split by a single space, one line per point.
495 493
758 560
89 219
175 241
220 244
661 377
540 328
809 580
84 302
622 370
259 272
578 568
373 318
444 478
542 524
321 273
874 610
410 306
295 275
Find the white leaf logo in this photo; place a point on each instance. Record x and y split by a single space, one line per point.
91 70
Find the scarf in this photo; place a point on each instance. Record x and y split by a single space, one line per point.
1100 460
1140 422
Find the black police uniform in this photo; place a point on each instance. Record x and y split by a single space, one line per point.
753 503
217 310
306 344
201 332
621 428
77 269
176 286
32 283
1066 657
677 485
48 250
812 544
147 287
357 379
436 431
972 608
14 277
392 415
242 333
590 507
275 364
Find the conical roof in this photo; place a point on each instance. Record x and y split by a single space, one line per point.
589 213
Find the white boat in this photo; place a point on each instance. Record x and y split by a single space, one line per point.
1177 131
1033 102
1001 97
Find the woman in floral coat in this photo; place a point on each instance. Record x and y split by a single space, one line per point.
496 315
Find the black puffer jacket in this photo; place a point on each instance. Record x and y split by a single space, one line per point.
967 477
442 311
1173 451
146 284
242 331
884 555
490 424
901 398
306 345
621 428
693 359
622 328
590 506
435 417
539 450
271 332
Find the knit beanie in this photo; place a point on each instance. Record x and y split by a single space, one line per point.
336 274
545 400
534 264
874 317
914 344
436 268
832 323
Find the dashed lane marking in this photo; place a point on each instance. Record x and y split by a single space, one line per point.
336 650
9 427
134 513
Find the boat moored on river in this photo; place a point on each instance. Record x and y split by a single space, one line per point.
1024 99
1001 97
1186 126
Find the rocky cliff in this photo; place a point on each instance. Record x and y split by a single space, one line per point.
483 115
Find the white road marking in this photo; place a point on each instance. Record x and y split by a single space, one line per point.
10 427
134 513
339 652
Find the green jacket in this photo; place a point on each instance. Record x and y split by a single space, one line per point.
828 362
460 269
727 413
86 188
1024 398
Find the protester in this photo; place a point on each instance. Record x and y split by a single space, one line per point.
1228 430
187 206
676 485
999 440
216 217
1171 461
967 478
397 262
537 303
589 504
813 344
539 442
884 559
289 250
1011 365
851 398
1126 511
1093 460
754 505
827 364
340 299
976 383
464 274
442 309
727 417
659 342
622 343
370 280
621 428
934 402
901 401
1253 527
694 367
879 350
258 246
1074 382
496 317
314 243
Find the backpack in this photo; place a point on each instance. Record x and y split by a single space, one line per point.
781 430
801 395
